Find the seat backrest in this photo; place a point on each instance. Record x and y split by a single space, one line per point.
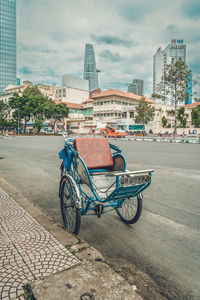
95 152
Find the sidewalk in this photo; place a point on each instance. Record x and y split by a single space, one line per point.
37 251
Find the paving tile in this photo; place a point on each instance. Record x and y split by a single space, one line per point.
13 281
27 251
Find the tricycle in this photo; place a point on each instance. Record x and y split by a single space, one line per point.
94 180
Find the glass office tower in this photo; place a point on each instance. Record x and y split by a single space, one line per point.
90 70
172 53
136 87
7 43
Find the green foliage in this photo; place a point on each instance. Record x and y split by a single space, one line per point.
144 112
173 85
150 131
4 111
181 117
32 104
196 116
171 112
38 124
164 121
56 112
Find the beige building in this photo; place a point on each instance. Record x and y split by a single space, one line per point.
47 90
80 118
70 94
108 106
113 105
119 107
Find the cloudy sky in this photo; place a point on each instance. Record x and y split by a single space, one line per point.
125 35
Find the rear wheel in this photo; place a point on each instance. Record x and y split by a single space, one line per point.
69 198
130 210
62 169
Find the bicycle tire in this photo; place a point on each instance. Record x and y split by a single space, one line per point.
62 169
71 214
131 209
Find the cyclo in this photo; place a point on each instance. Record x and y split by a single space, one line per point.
94 180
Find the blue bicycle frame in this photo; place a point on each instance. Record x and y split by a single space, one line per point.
91 204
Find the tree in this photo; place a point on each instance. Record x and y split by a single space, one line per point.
164 121
196 116
144 112
4 111
181 118
38 124
21 110
56 112
173 85
31 104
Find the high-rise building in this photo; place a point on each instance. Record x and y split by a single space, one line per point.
174 51
90 70
7 43
136 87
188 98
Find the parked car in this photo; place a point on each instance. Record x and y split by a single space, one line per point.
107 132
67 132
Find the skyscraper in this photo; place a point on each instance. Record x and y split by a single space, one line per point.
136 87
90 70
7 43
188 98
174 51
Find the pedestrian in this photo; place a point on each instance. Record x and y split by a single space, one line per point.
7 133
13 133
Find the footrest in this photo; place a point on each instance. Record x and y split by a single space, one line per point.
128 172
99 210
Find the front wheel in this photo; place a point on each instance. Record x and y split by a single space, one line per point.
69 199
131 209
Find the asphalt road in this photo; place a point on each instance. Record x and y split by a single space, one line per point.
164 244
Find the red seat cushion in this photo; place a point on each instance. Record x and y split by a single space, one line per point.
95 152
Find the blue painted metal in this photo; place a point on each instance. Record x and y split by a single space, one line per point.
116 198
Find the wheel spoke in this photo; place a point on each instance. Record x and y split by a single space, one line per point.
130 210
70 213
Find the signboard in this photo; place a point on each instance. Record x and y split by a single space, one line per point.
136 127
177 41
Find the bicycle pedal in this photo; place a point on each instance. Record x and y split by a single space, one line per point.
99 210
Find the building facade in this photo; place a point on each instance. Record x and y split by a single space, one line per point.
75 82
7 43
47 90
136 87
90 70
80 118
173 52
120 108
69 94
113 105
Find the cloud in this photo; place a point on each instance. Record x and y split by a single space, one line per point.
111 40
107 54
25 71
52 38
191 9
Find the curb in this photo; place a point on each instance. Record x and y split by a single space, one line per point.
103 278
